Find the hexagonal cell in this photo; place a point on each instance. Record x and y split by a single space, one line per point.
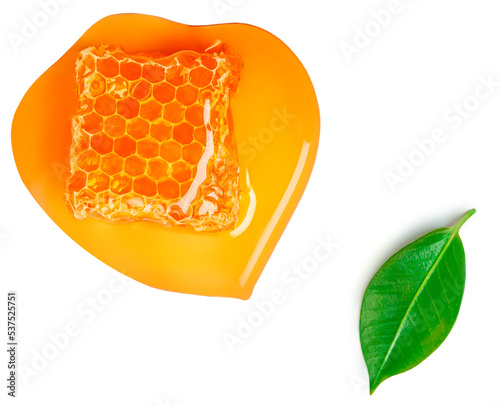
208 61
153 73
130 70
105 105
121 184
168 189
101 143
135 166
157 169
188 60
86 106
88 160
108 200
177 75
82 144
170 151
219 72
195 115
145 186
200 135
138 128
111 164
148 148
98 181
201 77
142 90
95 84
133 201
108 66
162 131
185 187
77 181
164 92
87 65
151 110
87 196
92 123
115 126
125 146
187 94
118 87
128 108
181 171
183 133
173 112
192 153
204 95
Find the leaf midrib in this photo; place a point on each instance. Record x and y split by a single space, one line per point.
398 332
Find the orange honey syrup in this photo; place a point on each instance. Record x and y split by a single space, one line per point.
122 200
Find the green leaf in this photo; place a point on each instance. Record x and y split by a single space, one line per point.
412 302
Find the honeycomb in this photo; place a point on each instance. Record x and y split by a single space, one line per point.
152 138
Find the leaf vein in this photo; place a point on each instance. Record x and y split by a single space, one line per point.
412 303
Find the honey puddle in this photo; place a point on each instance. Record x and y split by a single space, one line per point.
145 214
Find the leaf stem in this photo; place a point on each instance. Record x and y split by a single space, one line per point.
464 218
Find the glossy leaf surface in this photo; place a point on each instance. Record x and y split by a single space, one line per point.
412 302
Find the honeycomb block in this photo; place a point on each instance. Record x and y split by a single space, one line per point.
152 140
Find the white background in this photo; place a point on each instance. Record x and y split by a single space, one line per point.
153 347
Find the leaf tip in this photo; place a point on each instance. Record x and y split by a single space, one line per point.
464 218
